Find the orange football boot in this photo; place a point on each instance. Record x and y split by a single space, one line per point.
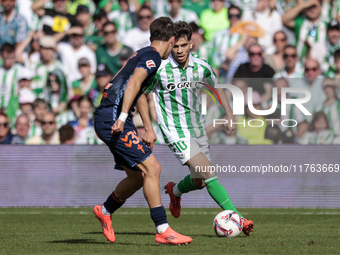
106 222
248 226
172 237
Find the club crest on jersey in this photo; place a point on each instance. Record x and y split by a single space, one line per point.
150 64
195 74
181 85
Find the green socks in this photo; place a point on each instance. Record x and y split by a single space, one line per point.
219 194
186 185
215 189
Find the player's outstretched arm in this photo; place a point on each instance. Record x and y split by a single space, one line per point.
227 109
150 137
131 91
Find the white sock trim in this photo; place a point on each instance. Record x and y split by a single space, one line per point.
176 191
162 228
104 211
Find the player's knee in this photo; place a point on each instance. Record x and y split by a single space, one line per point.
155 170
199 183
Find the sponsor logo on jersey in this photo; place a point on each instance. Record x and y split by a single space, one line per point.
181 85
150 64
170 76
108 85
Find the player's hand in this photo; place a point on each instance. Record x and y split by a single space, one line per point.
149 139
230 128
117 127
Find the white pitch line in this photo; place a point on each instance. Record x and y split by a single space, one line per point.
182 213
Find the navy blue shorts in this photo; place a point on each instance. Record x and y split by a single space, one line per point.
127 149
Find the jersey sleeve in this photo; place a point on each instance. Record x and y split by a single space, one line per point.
210 75
153 84
150 61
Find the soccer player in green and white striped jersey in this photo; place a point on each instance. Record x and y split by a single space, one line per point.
177 106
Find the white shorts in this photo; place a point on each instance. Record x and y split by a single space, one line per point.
184 149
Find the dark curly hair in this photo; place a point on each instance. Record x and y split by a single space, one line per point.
182 29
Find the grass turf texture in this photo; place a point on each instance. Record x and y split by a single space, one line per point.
77 231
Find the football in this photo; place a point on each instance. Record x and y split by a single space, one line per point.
228 224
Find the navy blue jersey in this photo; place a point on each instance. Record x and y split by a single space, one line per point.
147 58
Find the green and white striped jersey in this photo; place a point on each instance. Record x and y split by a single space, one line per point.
305 30
245 5
34 130
221 42
177 100
87 136
298 73
65 117
330 10
183 15
204 52
324 137
333 114
8 85
123 21
329 57
284 5
40 79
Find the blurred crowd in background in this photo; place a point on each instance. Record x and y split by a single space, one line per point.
57 57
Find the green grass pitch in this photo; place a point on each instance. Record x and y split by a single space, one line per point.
77 231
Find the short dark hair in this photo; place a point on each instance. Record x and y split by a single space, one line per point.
278 32
254 45
144 7
7 47
85 98
107 23
66 133
232 6
337 54
38 102
289 46
162 29
182 29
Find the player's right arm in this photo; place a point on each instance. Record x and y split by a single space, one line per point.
131 92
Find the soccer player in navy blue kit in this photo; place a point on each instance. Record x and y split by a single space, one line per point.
114 125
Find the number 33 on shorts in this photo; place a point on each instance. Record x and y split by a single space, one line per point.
132 138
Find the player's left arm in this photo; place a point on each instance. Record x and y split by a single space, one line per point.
131 92
147 64
150 137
